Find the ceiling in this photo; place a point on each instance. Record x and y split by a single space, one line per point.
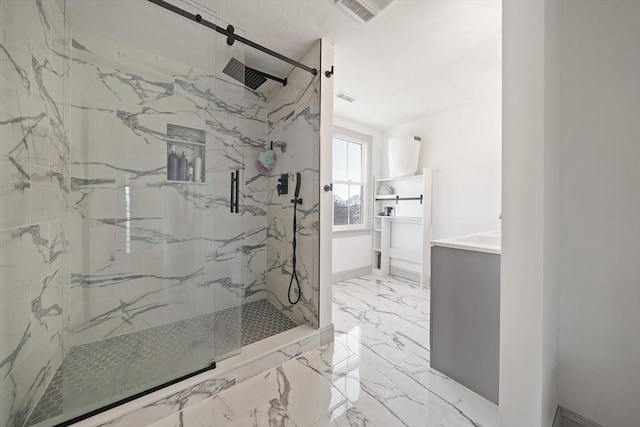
416 57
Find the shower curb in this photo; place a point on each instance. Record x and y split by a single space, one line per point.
254 359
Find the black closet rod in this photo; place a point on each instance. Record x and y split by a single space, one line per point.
231 36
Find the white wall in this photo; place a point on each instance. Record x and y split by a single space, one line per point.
600 213
326 176
462 144
352 250
461 130
552 204
570 298
521 296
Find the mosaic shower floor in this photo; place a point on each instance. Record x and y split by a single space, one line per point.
98 371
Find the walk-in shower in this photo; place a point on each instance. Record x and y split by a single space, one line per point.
140 244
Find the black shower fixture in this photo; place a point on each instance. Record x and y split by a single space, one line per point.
283 184
248 76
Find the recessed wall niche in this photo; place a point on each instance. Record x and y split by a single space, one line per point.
185 154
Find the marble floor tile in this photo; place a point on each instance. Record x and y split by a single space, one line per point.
346 415
305 394
465 406
271 414
375 373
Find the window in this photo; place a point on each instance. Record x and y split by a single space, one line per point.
349 182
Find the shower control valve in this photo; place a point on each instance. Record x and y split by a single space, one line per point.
283 184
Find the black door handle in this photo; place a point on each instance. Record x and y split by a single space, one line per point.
233 192
237 190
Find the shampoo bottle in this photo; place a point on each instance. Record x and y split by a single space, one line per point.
172 165
197 169
182 167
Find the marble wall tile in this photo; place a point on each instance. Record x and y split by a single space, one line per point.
293 117
183 133
16 332
86 42
278 276
34 189
22 388
88 89
134 95
92 198
94 150
47 311
49 195
141 58
24 258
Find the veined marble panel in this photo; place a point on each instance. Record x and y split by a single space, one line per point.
93 198
34 194
22 388
254 190
15 332
24 258
254 260
142 58
49 195
279 270
46 310
293 117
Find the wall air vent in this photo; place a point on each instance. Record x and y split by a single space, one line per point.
346 97
363 10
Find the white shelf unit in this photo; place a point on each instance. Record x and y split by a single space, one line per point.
396 251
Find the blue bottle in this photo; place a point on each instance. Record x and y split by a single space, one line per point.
172 165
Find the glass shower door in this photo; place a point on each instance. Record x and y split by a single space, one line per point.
225 117
141 307
124 176
135 276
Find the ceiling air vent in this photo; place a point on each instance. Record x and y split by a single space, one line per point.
363 10
346 97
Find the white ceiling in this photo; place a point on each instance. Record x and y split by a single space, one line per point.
416 57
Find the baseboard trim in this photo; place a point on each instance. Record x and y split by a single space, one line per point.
351 274
557 419
404 274
564 415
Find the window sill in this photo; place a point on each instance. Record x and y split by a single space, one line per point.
352 231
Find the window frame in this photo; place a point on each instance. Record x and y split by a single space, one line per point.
365 142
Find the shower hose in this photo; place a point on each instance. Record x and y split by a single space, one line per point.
294 273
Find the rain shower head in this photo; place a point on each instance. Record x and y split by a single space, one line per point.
248 76
251 78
